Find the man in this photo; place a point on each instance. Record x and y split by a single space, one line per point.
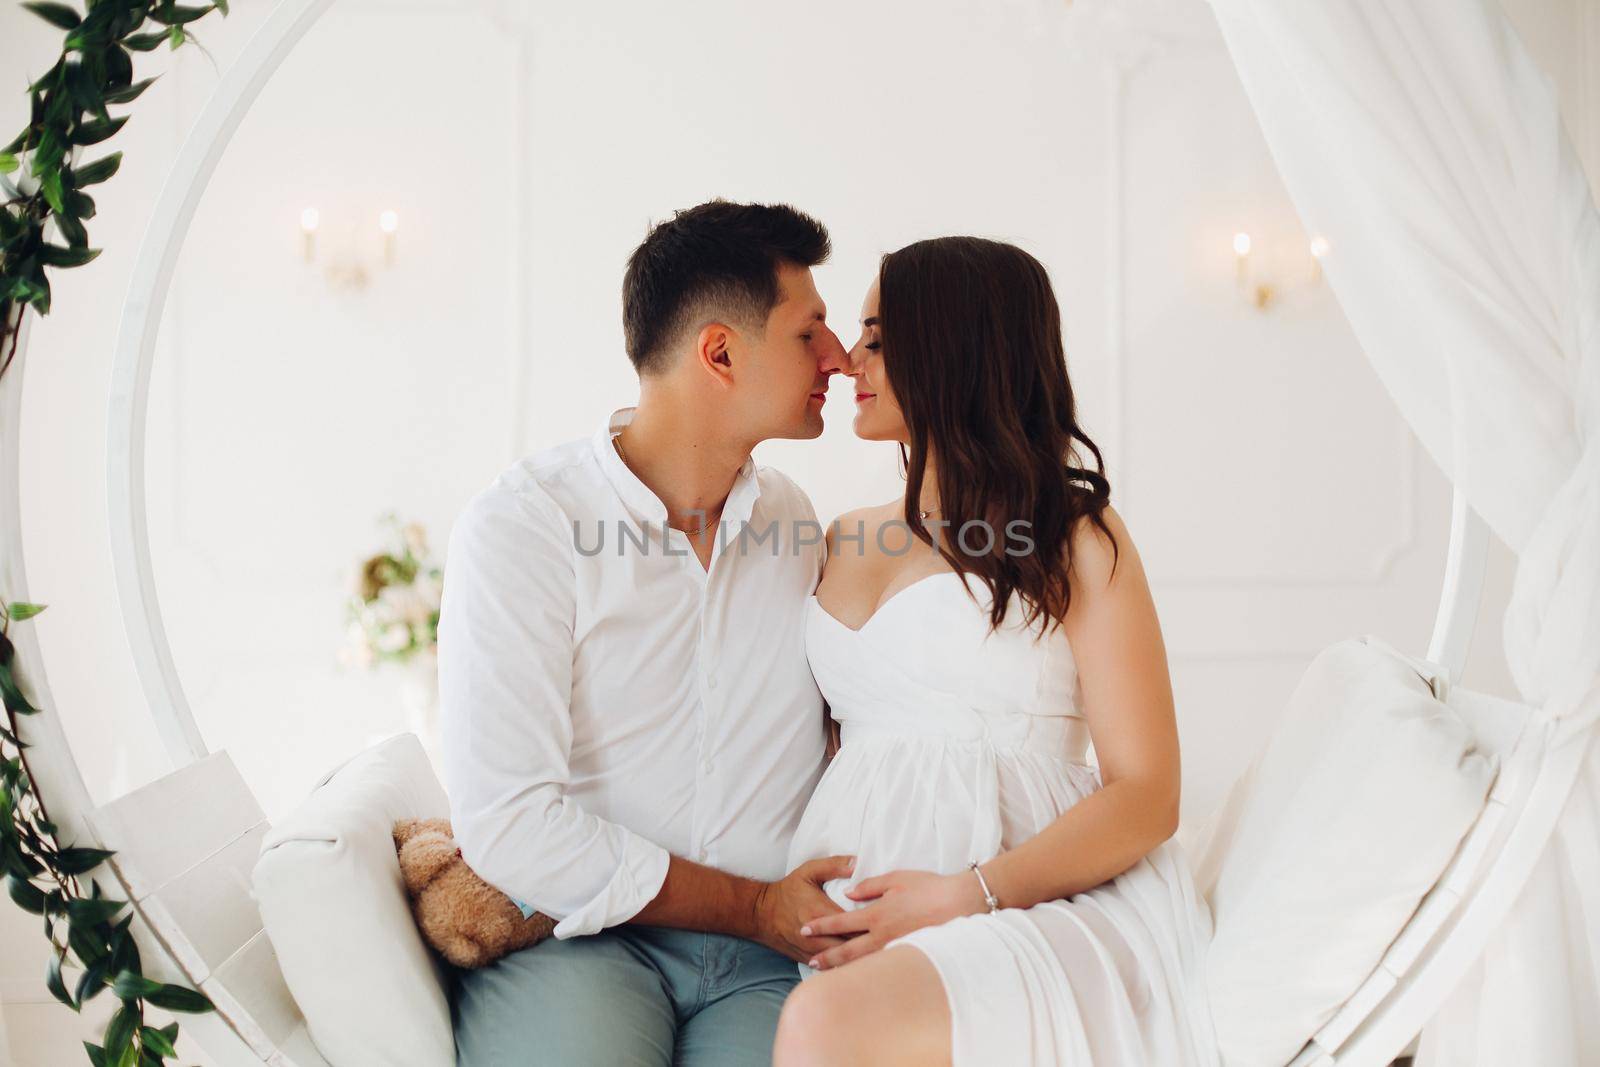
630 727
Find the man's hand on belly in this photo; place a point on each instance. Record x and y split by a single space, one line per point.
696 897
782 907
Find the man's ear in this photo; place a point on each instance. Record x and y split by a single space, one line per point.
713 351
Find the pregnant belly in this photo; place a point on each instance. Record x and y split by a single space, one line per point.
899 807
915 803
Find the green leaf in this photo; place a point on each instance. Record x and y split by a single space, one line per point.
81 860
15 702
157 1042
98 171
85 941
57 105
20 609
56 256
48 155
72 230
222 6
131 93
56 14
92 982
124 953
130 985
118 67
119 1032
50 186
27 895
89 912
8 163
78 205
97 1055
177 998
53 982
145 42
94 132
177 14
81 88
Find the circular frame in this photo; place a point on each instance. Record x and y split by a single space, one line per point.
134 358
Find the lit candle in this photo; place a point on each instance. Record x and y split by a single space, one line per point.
308 231
1319 248
389 223
1241 252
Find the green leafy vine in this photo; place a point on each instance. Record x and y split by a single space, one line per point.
43 183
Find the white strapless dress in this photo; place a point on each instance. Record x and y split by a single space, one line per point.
958 744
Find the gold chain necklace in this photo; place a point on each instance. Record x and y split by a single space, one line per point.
616 440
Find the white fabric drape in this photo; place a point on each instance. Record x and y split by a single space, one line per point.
1419 137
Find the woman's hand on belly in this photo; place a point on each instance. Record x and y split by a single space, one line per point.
897 903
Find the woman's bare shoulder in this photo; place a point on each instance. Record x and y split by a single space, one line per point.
1095 554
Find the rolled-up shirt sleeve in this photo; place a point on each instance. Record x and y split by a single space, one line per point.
505 687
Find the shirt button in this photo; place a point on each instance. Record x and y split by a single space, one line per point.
711 682
707 766
703 855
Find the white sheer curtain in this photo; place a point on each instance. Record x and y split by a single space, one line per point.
1421 140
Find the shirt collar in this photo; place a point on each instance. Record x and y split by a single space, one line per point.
642 503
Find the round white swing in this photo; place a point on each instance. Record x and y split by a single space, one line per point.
187 844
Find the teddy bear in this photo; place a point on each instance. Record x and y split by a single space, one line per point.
465 919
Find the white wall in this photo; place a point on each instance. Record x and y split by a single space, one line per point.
287 415
1278 501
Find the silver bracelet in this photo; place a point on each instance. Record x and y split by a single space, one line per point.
988 897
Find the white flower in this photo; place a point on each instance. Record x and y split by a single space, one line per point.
405 604
394 638
376 615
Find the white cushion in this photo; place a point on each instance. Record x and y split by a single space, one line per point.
1328 842
332 902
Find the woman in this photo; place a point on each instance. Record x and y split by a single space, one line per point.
972 640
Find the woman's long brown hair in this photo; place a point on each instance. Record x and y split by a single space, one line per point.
972 349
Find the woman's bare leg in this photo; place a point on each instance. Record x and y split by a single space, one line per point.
884 1009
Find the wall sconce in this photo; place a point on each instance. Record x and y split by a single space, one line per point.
1262 292
347 269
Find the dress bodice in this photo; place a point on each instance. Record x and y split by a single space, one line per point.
957 741
927 664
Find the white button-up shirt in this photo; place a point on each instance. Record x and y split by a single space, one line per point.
605 704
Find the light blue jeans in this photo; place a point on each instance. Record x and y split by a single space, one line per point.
628 995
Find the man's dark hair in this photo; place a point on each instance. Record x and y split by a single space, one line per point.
716 261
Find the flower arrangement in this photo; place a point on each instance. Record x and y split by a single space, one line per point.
392 612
